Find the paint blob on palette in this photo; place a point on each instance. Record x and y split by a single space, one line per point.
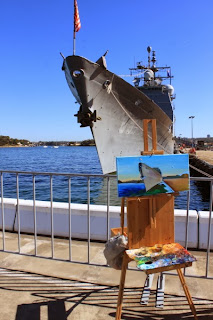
160 255
150 175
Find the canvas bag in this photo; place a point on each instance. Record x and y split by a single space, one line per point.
114 250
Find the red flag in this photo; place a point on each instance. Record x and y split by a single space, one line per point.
77 22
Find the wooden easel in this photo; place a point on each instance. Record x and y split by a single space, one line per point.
146 138
146 218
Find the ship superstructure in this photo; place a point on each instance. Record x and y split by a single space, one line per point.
151 80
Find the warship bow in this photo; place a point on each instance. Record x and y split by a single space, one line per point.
114 109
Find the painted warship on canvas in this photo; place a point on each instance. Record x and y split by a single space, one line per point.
114 109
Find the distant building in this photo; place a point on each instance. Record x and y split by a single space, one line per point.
200 143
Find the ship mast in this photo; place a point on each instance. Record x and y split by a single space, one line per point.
149 49
141 71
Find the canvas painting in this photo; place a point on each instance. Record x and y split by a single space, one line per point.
150 175
160 255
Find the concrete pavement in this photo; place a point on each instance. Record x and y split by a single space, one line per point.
44 289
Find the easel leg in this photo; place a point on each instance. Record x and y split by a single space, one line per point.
160 291
146 290
121 287
187 293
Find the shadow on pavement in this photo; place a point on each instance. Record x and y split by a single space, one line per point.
58 299
55 310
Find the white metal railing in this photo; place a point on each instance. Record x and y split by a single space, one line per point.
88 178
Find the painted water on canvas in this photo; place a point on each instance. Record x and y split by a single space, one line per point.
160 255
150 175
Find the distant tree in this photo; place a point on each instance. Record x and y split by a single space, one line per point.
24 142
6 140
89 142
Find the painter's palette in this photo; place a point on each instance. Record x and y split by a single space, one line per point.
160 255
150 175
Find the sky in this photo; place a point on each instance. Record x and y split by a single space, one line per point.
35 101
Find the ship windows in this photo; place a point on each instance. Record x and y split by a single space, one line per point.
77 73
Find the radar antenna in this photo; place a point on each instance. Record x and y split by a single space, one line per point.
149 49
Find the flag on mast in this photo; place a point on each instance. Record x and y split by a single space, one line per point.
77 22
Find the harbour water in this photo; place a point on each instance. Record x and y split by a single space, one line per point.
83 160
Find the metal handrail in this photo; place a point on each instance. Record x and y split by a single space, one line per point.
60 174
88 177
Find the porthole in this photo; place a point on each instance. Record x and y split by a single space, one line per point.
77 73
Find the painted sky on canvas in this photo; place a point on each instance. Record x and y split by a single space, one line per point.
127 167
35 100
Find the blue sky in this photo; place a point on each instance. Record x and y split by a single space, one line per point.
35 100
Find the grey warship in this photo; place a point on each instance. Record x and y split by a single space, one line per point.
114 109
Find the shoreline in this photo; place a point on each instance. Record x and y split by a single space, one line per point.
10 146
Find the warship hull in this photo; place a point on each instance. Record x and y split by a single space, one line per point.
114 110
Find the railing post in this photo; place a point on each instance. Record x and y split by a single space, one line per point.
209 229
34 216
2 213
88 217
70 220
108 201
187 220
51 211
18 213
187 223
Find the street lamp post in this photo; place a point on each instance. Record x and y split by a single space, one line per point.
192 117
